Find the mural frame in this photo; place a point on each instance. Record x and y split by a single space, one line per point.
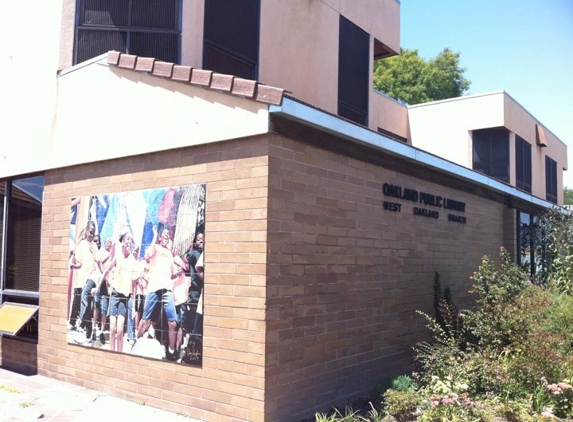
136 272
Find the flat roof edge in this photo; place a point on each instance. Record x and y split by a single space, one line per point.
329 123
487 94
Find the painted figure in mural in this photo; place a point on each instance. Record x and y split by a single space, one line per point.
124 275
101 297
191 320
160 289
180 293
84 264
137 300
200 270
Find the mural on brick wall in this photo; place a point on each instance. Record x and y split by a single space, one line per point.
136 272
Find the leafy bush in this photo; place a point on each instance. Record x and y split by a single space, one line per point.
348 415
510 357
517 336
401 404
404 383
556 230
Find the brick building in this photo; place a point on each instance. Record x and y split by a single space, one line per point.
327 207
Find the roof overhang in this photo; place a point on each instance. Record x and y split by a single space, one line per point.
328 131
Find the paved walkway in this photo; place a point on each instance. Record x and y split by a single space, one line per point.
27 398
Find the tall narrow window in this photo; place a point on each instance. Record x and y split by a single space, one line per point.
21 238
550 180
231 37
353 72
491 153
522 164
530 243
148 28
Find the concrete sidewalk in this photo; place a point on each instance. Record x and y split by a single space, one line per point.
27 398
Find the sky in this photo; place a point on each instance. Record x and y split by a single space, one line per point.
523 47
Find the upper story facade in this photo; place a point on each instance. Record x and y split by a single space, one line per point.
493 134
322 51
319 51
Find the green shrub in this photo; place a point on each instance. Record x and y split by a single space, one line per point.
517 335
555 229
348 415
404 383
508 358
452 407
401 404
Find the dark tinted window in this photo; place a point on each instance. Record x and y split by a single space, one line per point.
142 27
491 153
550 180
231 37
353 72
522 164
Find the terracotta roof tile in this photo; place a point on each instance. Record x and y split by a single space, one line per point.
269 94
201 77
144 64
164 69
113 58
127 61
181 73
244 87
222 82
205 78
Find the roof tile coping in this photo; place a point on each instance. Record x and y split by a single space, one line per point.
201 77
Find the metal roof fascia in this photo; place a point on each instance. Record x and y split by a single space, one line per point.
318 119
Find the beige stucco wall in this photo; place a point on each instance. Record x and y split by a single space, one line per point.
117 112
299 49
520 121
444 128
380 18
299 43
68 14
192 24
120 113
388 114
27 82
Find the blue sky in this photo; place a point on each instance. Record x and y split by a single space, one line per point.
524 47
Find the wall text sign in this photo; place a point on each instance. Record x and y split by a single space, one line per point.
424 199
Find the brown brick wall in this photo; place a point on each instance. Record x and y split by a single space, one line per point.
18 356
346 276
230 384
311 286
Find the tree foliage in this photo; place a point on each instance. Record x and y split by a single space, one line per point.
411 79
568 196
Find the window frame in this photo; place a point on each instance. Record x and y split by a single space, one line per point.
14 294
231 37
354 68
485 166
523 177
551 180
126 31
